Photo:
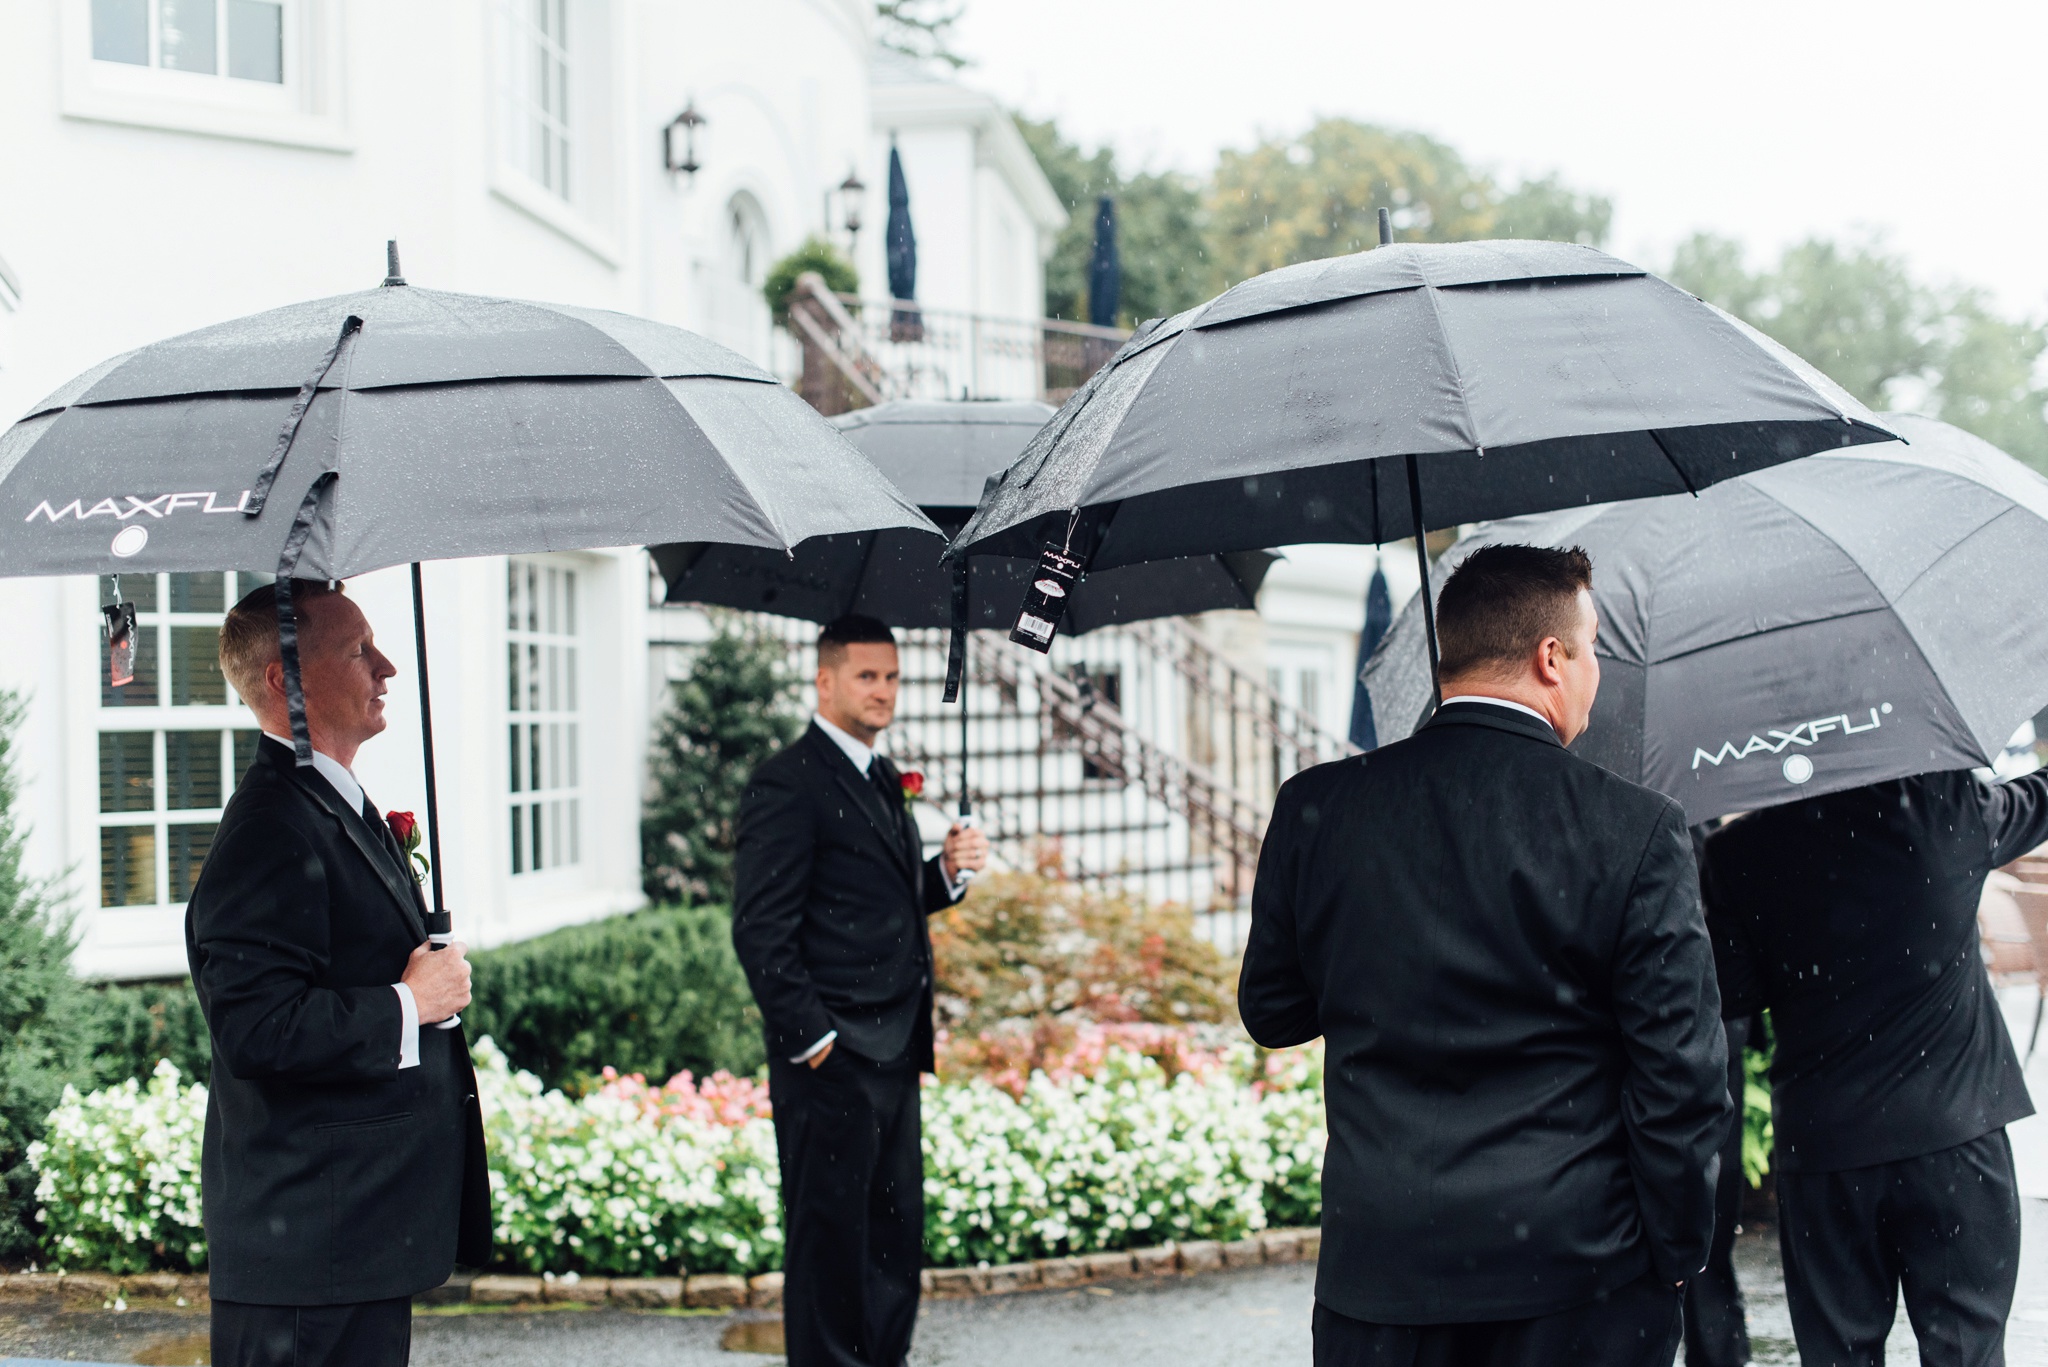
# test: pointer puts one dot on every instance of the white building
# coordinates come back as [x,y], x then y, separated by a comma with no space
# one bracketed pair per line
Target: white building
[174,163]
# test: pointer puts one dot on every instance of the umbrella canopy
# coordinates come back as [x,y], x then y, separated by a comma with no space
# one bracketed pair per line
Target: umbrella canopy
[1858,616]
[1515,376]
[442,425]
[941,455]
[1105,269]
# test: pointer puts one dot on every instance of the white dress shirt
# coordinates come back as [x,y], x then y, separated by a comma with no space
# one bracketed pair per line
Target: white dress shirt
[1501,702]
[863,756]
[343,782]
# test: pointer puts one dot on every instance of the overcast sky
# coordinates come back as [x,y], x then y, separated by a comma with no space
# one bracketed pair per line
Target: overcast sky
[1764,119]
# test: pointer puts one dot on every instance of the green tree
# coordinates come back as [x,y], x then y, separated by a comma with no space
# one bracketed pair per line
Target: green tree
[729,714]
[1990,381]
[919,28]
[1552,211]
[46,1015]
[1318,195]
[816,254]
[1160,231]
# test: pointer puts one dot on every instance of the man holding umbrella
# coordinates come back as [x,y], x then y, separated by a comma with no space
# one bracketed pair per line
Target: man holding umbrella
[343,1169]
[1852,917]
[829,903]
[1502,945]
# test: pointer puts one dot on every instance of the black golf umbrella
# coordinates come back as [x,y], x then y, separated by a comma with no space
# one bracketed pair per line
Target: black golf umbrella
[326,439]
[1858,616]
[940,455]
[1105,269]
[899,243]
[1412,387]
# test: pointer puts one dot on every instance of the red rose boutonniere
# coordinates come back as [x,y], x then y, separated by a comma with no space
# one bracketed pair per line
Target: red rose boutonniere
[407,832]
[913,786]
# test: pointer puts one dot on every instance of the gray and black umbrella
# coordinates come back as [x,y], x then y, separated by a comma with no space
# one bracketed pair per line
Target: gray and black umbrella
[326,439]
[1415,386]
[940,455]
[1858,616]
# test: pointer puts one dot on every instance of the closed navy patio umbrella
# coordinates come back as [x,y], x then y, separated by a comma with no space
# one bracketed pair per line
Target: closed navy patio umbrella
[899,242]
[1105,268]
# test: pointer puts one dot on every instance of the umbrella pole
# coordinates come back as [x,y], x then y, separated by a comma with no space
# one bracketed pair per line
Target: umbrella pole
[966,817]
[1436,683]
[438,920]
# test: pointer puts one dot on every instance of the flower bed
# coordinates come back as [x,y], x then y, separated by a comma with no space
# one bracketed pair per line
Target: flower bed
[634,1180]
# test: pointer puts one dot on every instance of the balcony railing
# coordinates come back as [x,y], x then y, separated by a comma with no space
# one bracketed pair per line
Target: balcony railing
[858,351]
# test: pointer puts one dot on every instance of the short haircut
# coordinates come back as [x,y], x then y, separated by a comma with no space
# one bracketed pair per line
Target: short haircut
[248,635]
[850,630]
[1501,603]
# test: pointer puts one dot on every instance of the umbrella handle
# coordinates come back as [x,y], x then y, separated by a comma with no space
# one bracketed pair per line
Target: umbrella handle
[966,817]
[438,923]
[1436,683]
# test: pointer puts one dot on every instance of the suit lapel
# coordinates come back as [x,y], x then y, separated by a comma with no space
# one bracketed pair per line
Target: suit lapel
[365,840]
[906,828]
[862,790]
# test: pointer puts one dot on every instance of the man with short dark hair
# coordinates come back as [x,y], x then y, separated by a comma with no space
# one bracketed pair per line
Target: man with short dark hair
[831,891]
[1852,918]
[343,1166]
[1502,946]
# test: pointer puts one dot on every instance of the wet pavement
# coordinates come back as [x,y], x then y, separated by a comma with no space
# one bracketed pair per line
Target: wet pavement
[1254,1318]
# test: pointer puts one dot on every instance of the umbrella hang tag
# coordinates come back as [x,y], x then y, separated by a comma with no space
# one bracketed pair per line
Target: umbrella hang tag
[119,625]
[1045,602]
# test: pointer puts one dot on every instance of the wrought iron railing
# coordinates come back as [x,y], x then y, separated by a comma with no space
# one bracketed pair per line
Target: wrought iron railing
[858,351]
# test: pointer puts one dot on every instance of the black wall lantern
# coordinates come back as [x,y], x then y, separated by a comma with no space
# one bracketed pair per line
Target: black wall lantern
[689,121]
[851,192]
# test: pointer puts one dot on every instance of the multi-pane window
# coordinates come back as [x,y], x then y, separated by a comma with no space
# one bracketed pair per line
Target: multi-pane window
[544,734]
[241,39]
[172,742]
[536,80]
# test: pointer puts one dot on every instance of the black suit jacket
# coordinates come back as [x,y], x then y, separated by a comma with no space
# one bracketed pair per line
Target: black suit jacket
[1853,917]
[329,1176]
[1525,1078]
[830,895]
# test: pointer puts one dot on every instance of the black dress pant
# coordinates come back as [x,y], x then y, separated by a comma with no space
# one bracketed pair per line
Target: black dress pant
[1634,1326]
[1716,1332]
[852,1166]
[1945,1226]
[370,1334]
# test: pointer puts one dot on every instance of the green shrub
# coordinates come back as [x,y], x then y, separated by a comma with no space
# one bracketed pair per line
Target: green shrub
[815,254]
[732,711]
[654,992]
[136,1024]
[45,1013]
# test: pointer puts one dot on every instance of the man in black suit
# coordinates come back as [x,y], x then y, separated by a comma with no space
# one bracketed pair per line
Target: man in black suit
[831,891]
[343,1167]
[1502,946]
[1853,917]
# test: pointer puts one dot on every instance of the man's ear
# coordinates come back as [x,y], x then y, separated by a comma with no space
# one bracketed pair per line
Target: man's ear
[1548,670]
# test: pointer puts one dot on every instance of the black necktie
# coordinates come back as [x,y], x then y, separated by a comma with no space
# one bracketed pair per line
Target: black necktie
[892,792]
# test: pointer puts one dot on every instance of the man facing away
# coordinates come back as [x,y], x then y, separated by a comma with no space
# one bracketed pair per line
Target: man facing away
[1502,946]
[1853,917]
[343,1166]
[831,891]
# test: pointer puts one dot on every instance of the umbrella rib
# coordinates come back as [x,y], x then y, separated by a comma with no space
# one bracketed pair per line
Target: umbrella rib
[1457,371]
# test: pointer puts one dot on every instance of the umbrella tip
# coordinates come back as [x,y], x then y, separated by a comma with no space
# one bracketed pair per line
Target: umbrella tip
[391,275]
[1386,228]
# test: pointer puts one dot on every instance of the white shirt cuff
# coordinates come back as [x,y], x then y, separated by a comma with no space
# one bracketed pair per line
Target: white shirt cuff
[409,1027]
[807,1055]
[956,886]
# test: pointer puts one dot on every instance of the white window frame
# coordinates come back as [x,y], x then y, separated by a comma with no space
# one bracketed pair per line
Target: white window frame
[156,721]
[548,638]
[589,215]
[306,110]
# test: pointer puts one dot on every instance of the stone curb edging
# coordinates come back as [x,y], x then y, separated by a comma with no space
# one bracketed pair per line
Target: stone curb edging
[705,1291]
